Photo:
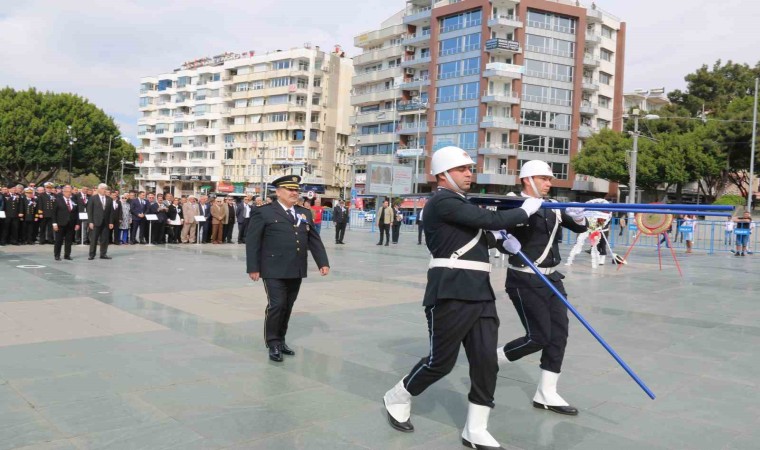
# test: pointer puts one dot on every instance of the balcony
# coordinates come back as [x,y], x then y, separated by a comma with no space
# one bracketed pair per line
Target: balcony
[593,39]
[590,61]
[590,184]
[504,71]
[406,107]
[413,128]
[378,55]
[501,150]
[594,15]
[500,123]
[589,85]
[502,47]
[376,36]
[588,108]
[505,3]
[505,23]
[416,61]
[379,138]
[374,97]
[586,131]
[508,98]
[376,75]
[417,16]
[416,38]
[504,177]
[416,83]
[372,117]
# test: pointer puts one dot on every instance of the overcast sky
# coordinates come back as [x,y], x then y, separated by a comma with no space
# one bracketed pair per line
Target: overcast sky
[99,49]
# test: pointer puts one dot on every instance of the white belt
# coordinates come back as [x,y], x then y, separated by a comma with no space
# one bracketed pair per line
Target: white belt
[543,270]
[453,263]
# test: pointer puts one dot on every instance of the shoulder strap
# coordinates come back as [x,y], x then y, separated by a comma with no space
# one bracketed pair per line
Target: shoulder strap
[551,238]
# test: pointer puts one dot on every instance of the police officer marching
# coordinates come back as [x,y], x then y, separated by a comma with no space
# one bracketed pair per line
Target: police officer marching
[277,239]
[543,315]
[459,301]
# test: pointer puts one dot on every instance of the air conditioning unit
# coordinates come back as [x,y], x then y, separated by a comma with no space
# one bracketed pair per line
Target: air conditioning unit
[409,48]
[409,71]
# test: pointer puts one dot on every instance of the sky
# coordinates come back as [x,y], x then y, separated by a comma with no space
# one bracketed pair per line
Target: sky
[99,49]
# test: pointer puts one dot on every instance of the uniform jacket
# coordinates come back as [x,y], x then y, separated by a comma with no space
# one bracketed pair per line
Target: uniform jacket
[96,213]
[29,209]
[46,204]
[340,215]
[451,221]
[277,246]
[61,214]
[533,237]
[12,207]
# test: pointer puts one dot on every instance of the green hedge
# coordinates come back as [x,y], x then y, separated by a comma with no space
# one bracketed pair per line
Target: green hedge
[731,199]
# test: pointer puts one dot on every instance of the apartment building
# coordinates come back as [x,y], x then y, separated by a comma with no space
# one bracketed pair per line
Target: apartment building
[234,122]
[507,80]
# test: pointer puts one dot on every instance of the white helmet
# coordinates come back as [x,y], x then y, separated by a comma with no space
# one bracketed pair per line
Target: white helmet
[536,168]
[448,158]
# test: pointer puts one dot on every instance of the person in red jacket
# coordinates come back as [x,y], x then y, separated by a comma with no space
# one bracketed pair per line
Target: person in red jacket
[317,214]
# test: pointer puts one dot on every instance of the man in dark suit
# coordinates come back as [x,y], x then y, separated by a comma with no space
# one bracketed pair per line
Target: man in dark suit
[82,198]
[278,239]
[12,218]
[3,193]
[155,227]
[113,237]
[29,221]
[204,209]
[46,208]
[99,210]
[65,223]
[384,221]
[243,213]
[232,208]
[138,207]
[340,218]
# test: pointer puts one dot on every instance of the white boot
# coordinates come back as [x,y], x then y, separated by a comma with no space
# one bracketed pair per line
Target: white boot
[601,259]
[547,397]
[501,357]
[475,433]
[398,404]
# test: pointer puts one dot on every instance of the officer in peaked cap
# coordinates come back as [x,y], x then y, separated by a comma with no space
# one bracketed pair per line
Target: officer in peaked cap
[46,211]
[278,238]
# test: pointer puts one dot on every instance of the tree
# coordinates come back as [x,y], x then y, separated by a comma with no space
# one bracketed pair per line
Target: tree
[34,143]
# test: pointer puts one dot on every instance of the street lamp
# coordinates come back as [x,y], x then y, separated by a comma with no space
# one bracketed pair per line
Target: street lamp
[635,152]
[419,149]
[108,159]
[72,139]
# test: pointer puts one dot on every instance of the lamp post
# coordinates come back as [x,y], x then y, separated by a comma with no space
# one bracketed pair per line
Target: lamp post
[72,139]
[634,154]
[752,153]
[108,159]
[419,149]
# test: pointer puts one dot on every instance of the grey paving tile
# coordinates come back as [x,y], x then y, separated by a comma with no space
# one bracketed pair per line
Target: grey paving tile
[167,434]
[25,427]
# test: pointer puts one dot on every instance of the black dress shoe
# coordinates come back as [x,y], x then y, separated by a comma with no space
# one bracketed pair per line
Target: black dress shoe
[275,353]
[405,427]
[69,258]
[386,244]
[90,258]
[379,243]
[286,350]
[105,257]
[341,243]
[57,258]
[566,410]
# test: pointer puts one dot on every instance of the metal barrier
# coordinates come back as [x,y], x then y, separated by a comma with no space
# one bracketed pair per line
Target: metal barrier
[708,236]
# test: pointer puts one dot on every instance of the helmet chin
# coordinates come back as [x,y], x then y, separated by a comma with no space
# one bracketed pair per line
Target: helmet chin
[453,184]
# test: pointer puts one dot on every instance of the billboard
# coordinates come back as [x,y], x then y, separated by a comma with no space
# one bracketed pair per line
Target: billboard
[386,179]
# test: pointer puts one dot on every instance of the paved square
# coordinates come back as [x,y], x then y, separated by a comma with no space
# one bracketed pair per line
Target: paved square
[162,348]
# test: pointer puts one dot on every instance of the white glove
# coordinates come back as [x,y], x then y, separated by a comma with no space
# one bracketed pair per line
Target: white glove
[510,244]
[531,205]
[576,214]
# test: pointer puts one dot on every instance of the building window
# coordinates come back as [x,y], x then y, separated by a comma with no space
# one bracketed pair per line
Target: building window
[279,65]
[602,124]
[606,55]
[560,170]
[605,78]
[604,102]
[549,21]
[462,20]
[608,32]
[551,46]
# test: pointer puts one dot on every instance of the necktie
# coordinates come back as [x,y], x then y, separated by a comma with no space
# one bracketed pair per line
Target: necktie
[292,214]
[68,203]
[103,201]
